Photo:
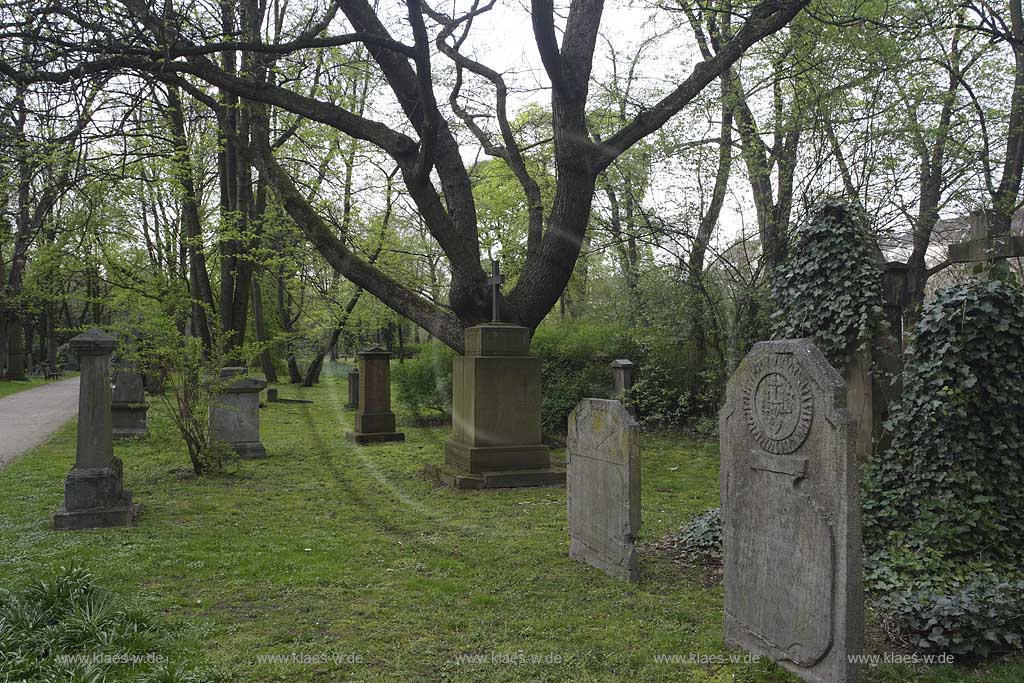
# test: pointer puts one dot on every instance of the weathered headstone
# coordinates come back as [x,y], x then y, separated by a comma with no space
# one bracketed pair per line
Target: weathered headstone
[496,394]
[235,413]
[791,525]
[603,487]
[375,421]
[622,374]
[94,493]
[353,389]
[155,378]
[272,396]
[128,405]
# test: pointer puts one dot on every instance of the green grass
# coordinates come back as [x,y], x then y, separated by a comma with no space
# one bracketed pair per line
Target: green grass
[329,549]
[10,387]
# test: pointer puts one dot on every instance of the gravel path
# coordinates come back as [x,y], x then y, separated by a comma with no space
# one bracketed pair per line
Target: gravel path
[28,417]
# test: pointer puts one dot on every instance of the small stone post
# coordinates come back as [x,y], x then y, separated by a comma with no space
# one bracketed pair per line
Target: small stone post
[128,405]
[94,494]
[374,420]
[622,372]
[235,413]
[353,389]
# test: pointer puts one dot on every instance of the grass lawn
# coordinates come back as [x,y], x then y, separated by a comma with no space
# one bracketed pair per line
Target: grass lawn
[326,549]
[8,388]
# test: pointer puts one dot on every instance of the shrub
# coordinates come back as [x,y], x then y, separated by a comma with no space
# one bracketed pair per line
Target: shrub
[424,382]
[944,505]
[576,355]
[702,535]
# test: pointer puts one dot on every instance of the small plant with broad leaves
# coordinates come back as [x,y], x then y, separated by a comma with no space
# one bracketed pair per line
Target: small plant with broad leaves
[702,535]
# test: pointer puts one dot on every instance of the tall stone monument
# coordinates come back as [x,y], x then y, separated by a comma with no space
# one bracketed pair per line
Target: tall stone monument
[791,525]
[353,389]
[375,422]
[496,427]
[94,493]
[603,487]
[235,413]
[128,405]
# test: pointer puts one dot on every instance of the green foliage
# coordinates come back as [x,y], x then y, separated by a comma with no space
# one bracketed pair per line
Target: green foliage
[944,505]
[702,535]
[424,382]
[576,355]
[68,629]
[829,289]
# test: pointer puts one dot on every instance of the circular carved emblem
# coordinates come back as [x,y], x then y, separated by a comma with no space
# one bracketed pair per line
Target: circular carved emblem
[778,403]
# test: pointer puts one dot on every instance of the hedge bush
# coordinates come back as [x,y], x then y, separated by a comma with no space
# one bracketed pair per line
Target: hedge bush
[423,383]
[944,504]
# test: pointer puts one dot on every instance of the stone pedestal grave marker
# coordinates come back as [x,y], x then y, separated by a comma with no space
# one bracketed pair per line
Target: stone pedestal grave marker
[128,405]
[791,526]
[375,422]
[235,413]
[353,389]
[603,487]
[94,493]
[496,427]
[622,374]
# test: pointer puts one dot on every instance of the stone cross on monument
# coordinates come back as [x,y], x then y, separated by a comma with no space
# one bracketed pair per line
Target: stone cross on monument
[984,245]
[494,282]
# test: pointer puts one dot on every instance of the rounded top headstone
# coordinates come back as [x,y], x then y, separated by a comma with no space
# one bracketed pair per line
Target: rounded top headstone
[94,342]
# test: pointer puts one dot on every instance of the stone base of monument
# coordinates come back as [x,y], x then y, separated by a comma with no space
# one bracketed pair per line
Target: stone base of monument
[362,439]
[95,497]
[374,428]
[249,450]
[129,420]
[458,478]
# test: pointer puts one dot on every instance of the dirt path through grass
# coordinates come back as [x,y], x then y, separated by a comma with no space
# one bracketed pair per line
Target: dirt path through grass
[28,417]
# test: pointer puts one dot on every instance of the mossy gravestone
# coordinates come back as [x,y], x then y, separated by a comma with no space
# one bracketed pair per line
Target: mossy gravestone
[128,405]
[603,487]
[94,493]
[791,513]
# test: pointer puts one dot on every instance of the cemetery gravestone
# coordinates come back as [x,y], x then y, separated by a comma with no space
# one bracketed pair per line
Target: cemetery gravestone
[353,389]
[622,374]
[791,526]
[128,405]
[496,395]
[374,421]
[235,413]
[603,487]
[94,493]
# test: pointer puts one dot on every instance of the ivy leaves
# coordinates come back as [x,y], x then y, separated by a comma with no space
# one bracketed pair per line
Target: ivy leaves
[944,505]
[829,289]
